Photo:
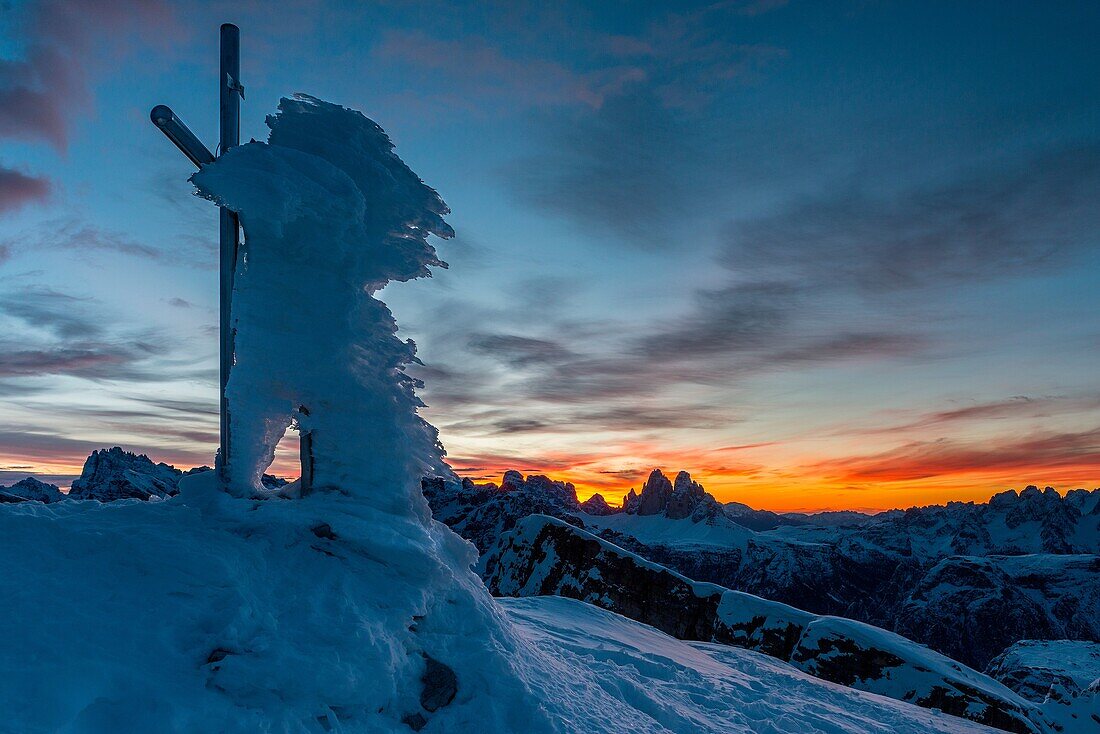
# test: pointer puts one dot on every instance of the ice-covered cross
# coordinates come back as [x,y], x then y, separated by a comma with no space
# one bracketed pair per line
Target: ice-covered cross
[230,94]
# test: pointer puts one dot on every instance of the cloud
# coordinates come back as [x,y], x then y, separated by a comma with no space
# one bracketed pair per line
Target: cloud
[481,73]
[52,333]
[19,189]
[44,309]
[78,236]
[1033,214]
[1020,406]
[45,92]
[1036,453]
[627,169]
[519,351]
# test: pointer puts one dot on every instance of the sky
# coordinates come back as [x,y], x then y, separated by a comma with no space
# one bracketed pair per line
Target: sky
[838,254]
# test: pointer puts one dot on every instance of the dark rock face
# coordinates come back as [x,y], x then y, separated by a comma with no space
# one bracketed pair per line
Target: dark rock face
[654,497]
[544,556]
[30,490]
[977,607]
[597,506]
[440,685]
[481,513]
[970,609]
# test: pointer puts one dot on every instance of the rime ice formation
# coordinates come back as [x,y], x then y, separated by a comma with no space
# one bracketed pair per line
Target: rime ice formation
[330,215]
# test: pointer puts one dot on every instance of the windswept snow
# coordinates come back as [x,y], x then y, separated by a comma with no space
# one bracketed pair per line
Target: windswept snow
[623,676]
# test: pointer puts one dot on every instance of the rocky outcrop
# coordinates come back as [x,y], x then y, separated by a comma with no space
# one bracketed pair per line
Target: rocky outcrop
[1062,676]
[1033,667]
[654,497]
[544,556]
[597,506]
[31,490]
[973,608]
[114,474]
[481,513]
[677,501]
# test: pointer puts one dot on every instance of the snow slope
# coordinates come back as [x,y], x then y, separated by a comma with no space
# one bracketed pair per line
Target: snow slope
[545,556]
[642,680]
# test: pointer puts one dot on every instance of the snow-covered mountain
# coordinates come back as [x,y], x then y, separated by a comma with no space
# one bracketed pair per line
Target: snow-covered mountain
[1063,676]
[620,675]
[31,490]
[1032,667]
[115,474]
[898,570]
[546,556]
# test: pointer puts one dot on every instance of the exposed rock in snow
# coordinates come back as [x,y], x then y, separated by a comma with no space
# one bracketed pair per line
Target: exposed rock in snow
[544,556]
[1061,675]
[974,608]
[627,677]
[114,474]
[31,490]
[1031,667]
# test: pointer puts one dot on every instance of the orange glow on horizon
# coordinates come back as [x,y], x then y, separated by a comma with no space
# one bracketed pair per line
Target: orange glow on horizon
[740,473]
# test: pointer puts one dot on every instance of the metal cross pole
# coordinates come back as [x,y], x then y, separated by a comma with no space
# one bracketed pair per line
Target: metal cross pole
[229,87]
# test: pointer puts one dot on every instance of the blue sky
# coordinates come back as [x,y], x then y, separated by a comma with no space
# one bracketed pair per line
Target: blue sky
[822,254]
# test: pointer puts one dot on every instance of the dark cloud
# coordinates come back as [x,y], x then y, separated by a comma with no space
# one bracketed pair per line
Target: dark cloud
[18,189]
[1020,406]
[519,351]
[627,169]
[45,92]
[44,309]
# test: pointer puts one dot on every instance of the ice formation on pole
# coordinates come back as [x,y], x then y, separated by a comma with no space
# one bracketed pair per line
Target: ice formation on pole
[330,216]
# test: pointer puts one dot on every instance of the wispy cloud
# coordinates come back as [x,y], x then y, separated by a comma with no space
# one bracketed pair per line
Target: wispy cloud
[51,333]
[84,239]
[1034,453]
